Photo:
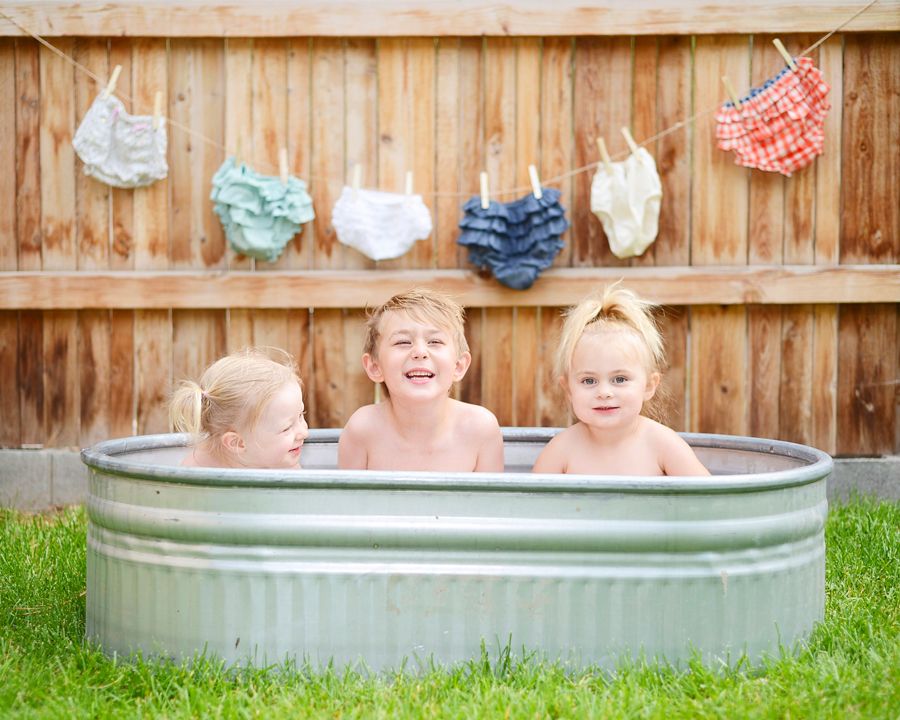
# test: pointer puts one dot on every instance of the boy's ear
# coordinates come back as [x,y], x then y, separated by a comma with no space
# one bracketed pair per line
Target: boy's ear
[373,370]
[233,442]
[462,366]
[652,384]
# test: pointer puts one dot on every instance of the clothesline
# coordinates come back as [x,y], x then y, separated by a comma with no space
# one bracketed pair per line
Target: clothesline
[518,190]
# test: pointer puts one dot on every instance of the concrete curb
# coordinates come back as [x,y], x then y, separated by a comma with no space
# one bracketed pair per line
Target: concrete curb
[36,480]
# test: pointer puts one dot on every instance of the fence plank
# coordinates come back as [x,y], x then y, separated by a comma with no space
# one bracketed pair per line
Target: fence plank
[238,118]
[674,327]
[673,244]
[824,378]
[471,387]
[526,366]
[496,361]
[121,380]
[10,410]
[448,115]
[866,379]
[31,376]
[329,370]
[797,387]
[121,254]
[557,138]
[153,369]
[718,390]
[198,340]
[196,89]
[298,253]
[644,99]
[472,117]
[603,72]
[463,17]
[552,408]
[500,116]
[871,166]
[299,345]
[9,255]
[269,113]
[28,156]
[361,108]
[61,386]
[828,165]
[764,325]
[92,197]
[239,329]
[767,189]
[57,159]
[327,150]
[719,188]
[358,389]
[94,375]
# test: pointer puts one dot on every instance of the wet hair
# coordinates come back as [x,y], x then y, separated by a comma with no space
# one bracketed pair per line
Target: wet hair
[612,309]
[424,306]
[233,391]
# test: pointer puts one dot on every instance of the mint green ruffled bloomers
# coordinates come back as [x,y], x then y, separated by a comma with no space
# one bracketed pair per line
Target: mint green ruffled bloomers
[260,214]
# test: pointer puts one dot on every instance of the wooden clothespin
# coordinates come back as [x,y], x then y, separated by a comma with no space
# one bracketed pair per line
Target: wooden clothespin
[729,88]
[535,182]
[485,197]
[357,176]
[157,108]
[409,182]
[114,78]
[604,155]
[779,46]
[632,145]
[283,165]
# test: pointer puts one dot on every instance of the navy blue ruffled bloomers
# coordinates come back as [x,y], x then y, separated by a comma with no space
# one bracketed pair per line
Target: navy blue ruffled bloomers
[516,241]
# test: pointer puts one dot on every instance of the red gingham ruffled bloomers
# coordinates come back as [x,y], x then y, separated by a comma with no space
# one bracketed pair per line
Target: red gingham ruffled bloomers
[779,126]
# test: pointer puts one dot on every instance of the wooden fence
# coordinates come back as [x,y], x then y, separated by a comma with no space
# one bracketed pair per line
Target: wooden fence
[781,293]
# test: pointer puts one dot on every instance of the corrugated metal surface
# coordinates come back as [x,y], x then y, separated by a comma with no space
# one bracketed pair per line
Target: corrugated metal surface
[378,567]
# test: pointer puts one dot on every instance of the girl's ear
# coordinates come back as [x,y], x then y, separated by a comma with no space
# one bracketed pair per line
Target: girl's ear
[462,366]
[652,384]
[373,370]
[233,442]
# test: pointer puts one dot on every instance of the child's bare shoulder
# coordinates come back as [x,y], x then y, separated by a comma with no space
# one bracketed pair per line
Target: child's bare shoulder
[474,417]
[364,420]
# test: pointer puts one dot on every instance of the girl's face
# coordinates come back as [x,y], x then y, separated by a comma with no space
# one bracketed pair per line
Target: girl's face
[277,438]
[608,381]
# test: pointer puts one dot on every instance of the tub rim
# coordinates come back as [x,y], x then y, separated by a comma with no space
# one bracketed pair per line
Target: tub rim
[103,457]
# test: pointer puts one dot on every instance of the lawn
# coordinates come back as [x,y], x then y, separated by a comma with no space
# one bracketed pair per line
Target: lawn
[850,669]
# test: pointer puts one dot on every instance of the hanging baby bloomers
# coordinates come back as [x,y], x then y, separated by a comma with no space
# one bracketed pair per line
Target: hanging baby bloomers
[122,150]
[779,126]
[381,225]
[260,214]
[516,240]
[626,197]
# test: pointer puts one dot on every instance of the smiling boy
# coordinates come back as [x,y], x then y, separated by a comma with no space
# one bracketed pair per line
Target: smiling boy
[416,347]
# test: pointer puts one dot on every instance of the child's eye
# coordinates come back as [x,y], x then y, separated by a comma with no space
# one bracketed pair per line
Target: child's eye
[588,381]
[402,342]
[620,379]
[435,342]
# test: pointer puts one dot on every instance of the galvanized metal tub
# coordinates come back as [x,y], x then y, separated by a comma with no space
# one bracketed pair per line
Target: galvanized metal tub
[380,568]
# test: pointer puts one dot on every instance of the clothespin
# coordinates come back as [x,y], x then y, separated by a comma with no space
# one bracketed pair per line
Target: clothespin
[604,156]
[729,88]
[357,176]
[485,198]
[114,78]
[779,46]
[632,145]
[409,182]
[535,182]
[157,108]
[283,165]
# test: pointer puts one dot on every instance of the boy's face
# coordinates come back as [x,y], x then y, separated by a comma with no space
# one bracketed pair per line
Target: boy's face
[415,359]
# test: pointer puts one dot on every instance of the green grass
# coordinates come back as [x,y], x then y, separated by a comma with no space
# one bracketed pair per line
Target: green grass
[850,669]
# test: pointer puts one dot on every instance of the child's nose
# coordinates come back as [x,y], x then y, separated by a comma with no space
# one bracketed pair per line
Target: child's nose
[420,349]
[303,429]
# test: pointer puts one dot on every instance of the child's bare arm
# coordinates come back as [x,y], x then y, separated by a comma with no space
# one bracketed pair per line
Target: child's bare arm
[490,454]
[352,445]
[676,457]
[553,457]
